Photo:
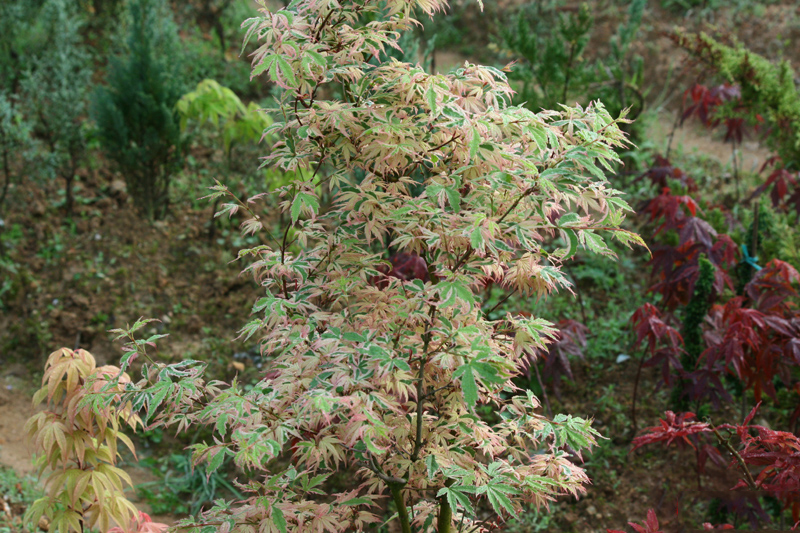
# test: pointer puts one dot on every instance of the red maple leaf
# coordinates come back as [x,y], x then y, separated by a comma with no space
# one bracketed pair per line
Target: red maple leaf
[648,526]
[682,428]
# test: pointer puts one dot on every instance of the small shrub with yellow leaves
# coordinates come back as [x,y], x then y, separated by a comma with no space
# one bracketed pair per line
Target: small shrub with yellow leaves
[77,447]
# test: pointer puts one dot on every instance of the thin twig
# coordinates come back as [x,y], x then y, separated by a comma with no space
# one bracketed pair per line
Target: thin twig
[742,465]
[501,302]
[544,392]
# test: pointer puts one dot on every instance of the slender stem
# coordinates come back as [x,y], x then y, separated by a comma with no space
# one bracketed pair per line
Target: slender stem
[754,236]
[318,32]
[635,392]
[283,245]
[250,212]
[501,302]
[735,169]
[461,522]
[573,46]
[671,135]
[426,341]
[463,259]
[544,392]
[416,163]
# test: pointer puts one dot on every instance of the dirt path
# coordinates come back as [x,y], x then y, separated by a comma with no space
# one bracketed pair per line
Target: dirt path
[15,409]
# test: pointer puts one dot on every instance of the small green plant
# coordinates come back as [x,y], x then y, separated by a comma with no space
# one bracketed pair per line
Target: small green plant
[77,448]
[15,141]
[211,103]
[136,118]
[55,91]
[214,107]
[552,46]
[554,70]
[183,488]
[16,493]
[18,19]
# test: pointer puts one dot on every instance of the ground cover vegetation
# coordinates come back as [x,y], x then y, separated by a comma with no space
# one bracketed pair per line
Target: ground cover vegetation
[446,318]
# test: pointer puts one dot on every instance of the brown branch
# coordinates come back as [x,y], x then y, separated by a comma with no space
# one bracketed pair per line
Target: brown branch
[426,341]
[501,302]
[742,465]
[318,31]
[431,393]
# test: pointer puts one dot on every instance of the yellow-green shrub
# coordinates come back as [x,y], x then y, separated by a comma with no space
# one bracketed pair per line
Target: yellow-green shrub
[77,447]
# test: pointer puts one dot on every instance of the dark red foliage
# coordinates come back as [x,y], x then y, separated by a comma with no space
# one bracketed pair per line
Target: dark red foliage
[663,341]
[408,267]
[662,171]
[777,454]
[725,254]
[771,457]
[648,526]
[648,325]
[695,229]
[676,268]
[704,383]
[745,505]
[684,429]
[772,286]
[705,103]
[405,267]
[755,337]
[756,343]
[785,185]
[669,208]
[570,341]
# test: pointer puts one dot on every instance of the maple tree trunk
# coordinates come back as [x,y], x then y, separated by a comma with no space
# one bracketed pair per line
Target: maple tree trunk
[736,171]
[70,198]
[402,512]
[212,230]
[445,518]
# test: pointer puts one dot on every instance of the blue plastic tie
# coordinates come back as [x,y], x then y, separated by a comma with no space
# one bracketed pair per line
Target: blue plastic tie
[747,258]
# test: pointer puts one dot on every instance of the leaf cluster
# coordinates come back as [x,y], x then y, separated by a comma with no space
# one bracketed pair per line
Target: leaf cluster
[212,103]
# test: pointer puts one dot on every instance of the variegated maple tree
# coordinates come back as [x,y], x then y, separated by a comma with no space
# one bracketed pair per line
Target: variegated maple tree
[375,371]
